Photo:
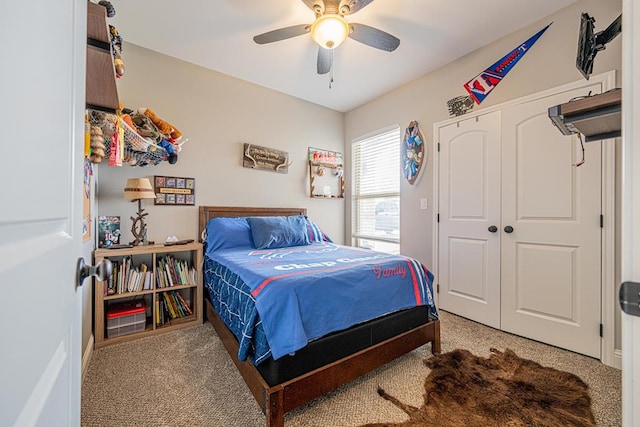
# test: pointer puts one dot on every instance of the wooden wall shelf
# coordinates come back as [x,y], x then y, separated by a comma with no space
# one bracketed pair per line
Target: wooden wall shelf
[330,170]
[102,93]
[596,117]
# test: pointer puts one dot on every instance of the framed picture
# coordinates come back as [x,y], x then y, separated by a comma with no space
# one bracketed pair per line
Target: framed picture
[108,231]
[174,191]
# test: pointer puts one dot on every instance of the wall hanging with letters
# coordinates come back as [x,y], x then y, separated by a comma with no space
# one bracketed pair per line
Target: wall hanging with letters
[172,190]
[257,157]
[481,85]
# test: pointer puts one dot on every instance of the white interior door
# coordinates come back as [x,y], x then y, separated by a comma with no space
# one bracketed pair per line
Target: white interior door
[551,267]
[469,204]
[42,85]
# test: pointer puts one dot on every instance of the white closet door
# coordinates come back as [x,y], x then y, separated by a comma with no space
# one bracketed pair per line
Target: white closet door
[551,278]
[469,254]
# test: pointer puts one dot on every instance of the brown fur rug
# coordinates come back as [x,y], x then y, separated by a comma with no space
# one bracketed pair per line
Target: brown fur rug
[501,390]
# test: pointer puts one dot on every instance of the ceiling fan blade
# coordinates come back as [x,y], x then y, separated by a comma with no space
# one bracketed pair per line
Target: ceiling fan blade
[325,60]
[316,5]
[374,37]
[282,34]
[349,7]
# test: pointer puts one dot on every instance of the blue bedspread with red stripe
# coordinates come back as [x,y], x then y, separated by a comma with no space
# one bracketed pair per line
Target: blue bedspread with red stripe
[305,292]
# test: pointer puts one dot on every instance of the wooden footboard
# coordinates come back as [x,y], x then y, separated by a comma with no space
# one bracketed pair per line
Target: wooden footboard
[277,400]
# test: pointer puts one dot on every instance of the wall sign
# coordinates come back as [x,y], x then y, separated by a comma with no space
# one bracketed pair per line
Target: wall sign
[257,157]
[172,190]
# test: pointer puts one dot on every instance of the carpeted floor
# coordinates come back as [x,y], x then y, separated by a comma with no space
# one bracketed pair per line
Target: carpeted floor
[185,378]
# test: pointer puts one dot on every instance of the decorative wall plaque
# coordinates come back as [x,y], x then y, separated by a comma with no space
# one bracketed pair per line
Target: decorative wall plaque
[257,157]
[172,190]
[412,152]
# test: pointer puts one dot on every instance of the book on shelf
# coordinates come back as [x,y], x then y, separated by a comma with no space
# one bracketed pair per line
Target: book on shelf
[164,313]
[174,272]
[169,275]
[172,312]
[176,306]
[184,304]
[148,280]
[128,277]
[158,315]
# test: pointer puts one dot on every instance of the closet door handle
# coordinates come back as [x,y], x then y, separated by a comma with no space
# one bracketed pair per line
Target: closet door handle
[508,229]
[493,229]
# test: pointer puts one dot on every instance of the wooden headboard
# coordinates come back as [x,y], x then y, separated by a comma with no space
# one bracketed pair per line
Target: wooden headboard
[208,212]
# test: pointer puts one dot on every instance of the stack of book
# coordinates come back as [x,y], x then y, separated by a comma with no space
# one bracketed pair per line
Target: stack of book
[127,277]
[169,306]
[174,272]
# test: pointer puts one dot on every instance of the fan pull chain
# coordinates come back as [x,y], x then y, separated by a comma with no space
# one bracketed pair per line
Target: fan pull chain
[331,70]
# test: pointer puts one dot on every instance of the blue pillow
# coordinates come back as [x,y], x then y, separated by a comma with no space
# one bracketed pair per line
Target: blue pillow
[315,233]
[226,233]
[270,232]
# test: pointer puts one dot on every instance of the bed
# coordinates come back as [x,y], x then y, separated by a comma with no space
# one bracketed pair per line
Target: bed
[281,382]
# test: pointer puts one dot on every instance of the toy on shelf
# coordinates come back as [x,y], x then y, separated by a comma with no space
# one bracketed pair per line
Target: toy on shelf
[133,138]
[164,127]
[97,145]
[116,48]
[116,39]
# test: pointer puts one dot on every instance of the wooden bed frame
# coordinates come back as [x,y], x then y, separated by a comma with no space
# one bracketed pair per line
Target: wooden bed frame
[276,400]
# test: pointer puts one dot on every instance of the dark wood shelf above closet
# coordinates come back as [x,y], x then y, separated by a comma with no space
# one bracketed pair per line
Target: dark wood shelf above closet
[101,89]
[596,117]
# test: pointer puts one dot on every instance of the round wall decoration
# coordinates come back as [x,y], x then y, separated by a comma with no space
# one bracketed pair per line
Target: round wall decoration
[412,152]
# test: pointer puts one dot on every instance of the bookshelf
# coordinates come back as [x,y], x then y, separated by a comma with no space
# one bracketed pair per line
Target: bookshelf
[165,280]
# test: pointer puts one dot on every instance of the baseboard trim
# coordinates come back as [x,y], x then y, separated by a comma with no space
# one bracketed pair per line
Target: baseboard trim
[616,362]
[86,355]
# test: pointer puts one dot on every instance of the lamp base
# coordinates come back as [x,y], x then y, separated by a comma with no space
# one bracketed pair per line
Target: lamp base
[139,228]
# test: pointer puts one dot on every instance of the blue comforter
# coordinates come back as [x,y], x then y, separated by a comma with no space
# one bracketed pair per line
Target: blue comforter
[301,293]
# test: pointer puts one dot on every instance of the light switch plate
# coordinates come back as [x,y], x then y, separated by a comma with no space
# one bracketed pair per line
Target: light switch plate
[423,203]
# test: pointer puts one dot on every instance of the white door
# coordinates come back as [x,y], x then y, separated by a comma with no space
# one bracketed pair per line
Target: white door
[469,204]
[630,204]
[42,86]
[551,278]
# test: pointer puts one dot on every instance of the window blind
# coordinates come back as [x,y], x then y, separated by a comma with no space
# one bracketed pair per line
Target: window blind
[376,190]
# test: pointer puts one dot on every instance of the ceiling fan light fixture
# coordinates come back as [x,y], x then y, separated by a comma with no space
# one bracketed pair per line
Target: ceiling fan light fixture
[329,31]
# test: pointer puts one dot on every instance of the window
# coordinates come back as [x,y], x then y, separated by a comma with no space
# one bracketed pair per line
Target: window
[376,191]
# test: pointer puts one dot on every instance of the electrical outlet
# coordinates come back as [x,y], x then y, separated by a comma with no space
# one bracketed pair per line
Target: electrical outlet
[423,203]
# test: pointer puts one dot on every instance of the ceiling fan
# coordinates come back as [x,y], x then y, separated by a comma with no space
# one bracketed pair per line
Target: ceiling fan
[330,29]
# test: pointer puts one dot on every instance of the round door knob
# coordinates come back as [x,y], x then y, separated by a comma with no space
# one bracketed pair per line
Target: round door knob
[493,229]
[101,270]
[508,229]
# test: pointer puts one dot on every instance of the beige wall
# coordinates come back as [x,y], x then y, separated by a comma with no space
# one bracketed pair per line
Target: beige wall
[550,63]
[218,113]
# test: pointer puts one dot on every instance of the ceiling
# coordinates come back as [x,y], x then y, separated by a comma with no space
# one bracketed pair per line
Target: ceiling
[218,34]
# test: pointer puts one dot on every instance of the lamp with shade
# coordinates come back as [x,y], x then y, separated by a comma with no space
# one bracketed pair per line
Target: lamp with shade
[136,190]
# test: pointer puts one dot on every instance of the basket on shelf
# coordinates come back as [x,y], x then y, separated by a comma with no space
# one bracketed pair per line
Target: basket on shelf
[138,151]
